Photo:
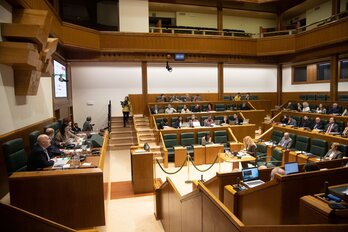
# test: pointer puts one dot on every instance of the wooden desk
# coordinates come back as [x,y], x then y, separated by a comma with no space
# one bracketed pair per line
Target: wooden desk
[301,158]
[199,154]
[316,210]
[180,154]
[142,171]
[211,151]
[235,160]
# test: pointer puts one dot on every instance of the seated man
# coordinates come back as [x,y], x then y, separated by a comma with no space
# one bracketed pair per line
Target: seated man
[331,127]
[333,153]
[170,109]
[334,109]
[236,119]
[197,108]
[306,123]
[39,157]
[292,121]
[154,109]
[206,139]
[318,125]
[87,125]
[289,106]
[53,149]
[193,121]
[277,170]
[286,141]
[75,128]
[163,123]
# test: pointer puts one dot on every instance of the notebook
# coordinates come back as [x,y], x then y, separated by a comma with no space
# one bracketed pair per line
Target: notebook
[61,162]
[246,121]
[291,168]
[196,124]
[251,177]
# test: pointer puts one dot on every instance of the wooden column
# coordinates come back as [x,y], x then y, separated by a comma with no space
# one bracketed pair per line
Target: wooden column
[221,81]
[144,85]
[335,7]
[334,78]
[279,83]
[220,25]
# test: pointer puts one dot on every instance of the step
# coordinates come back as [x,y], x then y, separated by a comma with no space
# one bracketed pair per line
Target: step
[142,124]
[122,140]
[122,130]
[146,140]
[141,129]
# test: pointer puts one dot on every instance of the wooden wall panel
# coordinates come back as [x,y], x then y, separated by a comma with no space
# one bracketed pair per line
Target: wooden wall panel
[191,209]
[78,36]
[276,45]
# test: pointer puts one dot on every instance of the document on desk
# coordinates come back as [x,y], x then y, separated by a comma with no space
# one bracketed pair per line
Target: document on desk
[61,162]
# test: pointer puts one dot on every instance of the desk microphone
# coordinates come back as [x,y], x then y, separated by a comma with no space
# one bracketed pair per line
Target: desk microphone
[326,188]
[238,182]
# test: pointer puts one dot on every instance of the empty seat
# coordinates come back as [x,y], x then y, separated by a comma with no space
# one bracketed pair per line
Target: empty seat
[321,97]
[221,137]
[170,141]
[32,138]
[158,121]
[344,149]
[173,120]
[276,158]
[261,153]
[303,97]
[311,97]
[227,98]
[14,155]
[219,117]
[341,126]
[187,140]
[277,136]
[180,108]
[318,147]
[220,107]
[301,143]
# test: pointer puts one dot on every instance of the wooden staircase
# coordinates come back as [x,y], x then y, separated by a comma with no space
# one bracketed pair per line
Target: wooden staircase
[121,137]
[146,135]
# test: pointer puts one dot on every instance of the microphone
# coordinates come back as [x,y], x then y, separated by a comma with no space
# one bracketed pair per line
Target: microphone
[326,188]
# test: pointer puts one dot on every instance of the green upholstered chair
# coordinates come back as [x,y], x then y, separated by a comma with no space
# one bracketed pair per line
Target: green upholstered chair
[342,97]
[301,143]
[344,149]
[174,119]
[318,147]
[341,126]
[220,107]
[32,138]
[227,98]
[276,158]
[204,107]
[170,141]
[293,137]
[311,97]
[158,121]
[187,140]
[276,136]
[54,125]
[321,97]
[14,155]
[180,108]
[261,153]
[183,98]
[219,117]
[203,117]
[298,119]
[303,97]
[221,137]
[200,134]
[254,97]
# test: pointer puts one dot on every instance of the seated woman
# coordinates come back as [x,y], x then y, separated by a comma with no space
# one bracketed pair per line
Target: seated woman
[209,121]
[178,123]
[306,107]
[225,120]
[299,107]
[209,108]
[197,108]
[345,112]
[345,131]
[321,109]
[193,121]
[170,109]
[206,140]
[236,119]
[163,124]
[185,110]
[249,146]
[333,153]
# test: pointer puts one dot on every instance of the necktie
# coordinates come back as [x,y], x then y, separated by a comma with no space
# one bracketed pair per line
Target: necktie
[329,129]
[48,157]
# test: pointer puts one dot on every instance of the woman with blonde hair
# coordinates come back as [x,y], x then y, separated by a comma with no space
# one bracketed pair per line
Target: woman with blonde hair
[249,145]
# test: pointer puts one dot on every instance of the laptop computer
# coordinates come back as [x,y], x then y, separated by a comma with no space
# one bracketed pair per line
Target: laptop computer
[291,168]
[251,177]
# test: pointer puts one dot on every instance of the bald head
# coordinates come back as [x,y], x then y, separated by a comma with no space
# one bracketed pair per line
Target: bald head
[277,170]
[43,140]
[50,132]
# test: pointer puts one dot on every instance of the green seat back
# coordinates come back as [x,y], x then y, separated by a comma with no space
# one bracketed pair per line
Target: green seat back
[340,126]
[318,147]
[227,98]
[187,139]
[277,136]
[204,107]
[293,137]
[32,138]
[303,97]
[174,119]
[344,149]
[321,97]
[311,97]
[220,136]
[220,107]
[180,108]
[14,155]
[301,143]
[277,156]
[219,117]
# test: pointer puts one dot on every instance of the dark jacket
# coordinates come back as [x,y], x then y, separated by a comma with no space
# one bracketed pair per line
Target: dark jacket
[38,159]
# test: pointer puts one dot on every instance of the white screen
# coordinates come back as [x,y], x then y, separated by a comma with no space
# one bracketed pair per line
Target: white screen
[60,87]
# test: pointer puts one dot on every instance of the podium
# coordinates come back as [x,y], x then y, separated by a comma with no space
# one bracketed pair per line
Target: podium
[211,151]
[142,171]
[180,154]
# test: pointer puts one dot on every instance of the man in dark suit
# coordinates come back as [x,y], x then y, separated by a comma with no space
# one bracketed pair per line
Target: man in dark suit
[334,109]
[331,127]
[306,123]
[53,150]
[333,153]
[318,125]
[39,157]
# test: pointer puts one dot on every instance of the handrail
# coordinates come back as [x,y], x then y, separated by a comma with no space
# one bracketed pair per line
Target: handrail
[104,150]
[109,116]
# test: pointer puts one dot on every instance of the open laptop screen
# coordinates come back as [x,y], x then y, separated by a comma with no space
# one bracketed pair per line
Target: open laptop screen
[291,168]
[250,174]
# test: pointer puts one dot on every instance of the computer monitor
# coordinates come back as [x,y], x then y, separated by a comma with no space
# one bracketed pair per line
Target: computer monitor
[250,174]
[291,168]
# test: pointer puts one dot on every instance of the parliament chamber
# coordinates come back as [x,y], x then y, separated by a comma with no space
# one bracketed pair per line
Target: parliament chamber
[149,115]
